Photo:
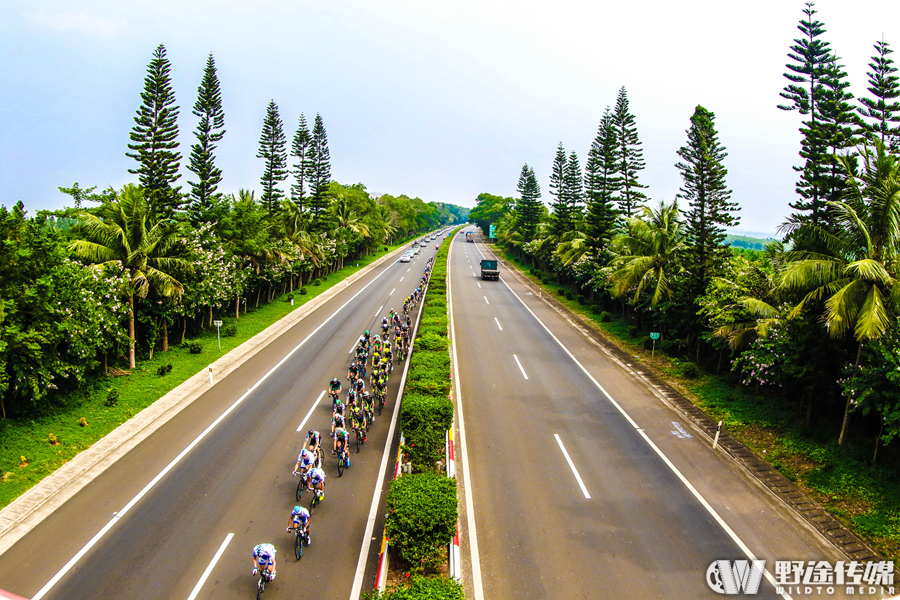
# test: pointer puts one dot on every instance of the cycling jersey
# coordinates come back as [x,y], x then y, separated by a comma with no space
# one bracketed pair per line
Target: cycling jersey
[314,439]
[301,516]
[316,476]
[341,435]
[264,554]
[338,420]
[338,408]
[335,386]
[306,458]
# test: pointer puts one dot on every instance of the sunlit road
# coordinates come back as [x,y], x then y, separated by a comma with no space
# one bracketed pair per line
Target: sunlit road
[236,480]
[571,500]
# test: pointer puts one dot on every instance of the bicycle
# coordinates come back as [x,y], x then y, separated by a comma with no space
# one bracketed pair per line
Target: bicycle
[301,485]
[317,497]
[343,459]
[360,437]
[264,578]
[334,397]
[301,535]
[380,398]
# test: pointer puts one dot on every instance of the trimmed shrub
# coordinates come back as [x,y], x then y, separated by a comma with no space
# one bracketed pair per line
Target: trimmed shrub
[569,295]
[689,371]
[429,372]
[432,340]
[434,587]
[596,309]
[112,397]
[195,348]
[422,510]
[561,291]
[423,410]
[303,291]
[164,370]
[605,317]
[230,330]
[317,282]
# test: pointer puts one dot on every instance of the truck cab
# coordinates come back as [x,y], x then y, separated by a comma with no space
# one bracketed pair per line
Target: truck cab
[489,270]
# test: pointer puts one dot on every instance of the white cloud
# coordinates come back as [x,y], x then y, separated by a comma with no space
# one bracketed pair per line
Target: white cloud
[77,22]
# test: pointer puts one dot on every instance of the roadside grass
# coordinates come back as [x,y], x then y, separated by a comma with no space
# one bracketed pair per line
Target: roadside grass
[28,453]
[862,495]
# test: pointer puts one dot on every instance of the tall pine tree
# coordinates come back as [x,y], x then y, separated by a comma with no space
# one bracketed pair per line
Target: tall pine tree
[882,108]
[319,173]
[299,148]
[812,58]
[528,206]
[600,185]
[839,127]
[574,191]
[154,137]
[210,130]
[710,208]
[273,150]
[629,158]
[562,213]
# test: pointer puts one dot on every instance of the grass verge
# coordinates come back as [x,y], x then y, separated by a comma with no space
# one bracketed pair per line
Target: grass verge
[32,448]
[862,495]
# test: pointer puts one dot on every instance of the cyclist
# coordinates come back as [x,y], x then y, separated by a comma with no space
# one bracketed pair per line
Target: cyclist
[337,421]
[335,387]
[389,355]
[391,316]
[384,325]
[358,421]
[360,385]
[341,440]
[264,558]
[300,517]
[380,386]
[351,398]
[313,440]
[352,372]
[376,344]
[366,337]
[305,462]
[367,405]
[317,481]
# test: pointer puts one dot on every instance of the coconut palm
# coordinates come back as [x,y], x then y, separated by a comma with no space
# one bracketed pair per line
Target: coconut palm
[124,235]
[855,278]
[648,253]
[573,245]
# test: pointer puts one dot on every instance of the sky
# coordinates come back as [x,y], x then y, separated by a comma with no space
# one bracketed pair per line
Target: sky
[437,100]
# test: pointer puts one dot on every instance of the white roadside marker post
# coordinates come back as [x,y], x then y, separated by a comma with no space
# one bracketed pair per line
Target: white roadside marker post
[718,431]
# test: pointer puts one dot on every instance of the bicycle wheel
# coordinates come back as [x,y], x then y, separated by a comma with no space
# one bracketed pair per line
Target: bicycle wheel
[260,587]
[313,502]
[321,455]
[341,463]
[298,544]
[358,441]
[300,488]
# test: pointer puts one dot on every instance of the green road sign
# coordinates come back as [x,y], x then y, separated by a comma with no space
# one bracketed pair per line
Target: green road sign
[654,335]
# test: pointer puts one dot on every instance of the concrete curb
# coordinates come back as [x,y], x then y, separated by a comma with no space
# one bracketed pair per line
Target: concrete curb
[833,530]
[21,515]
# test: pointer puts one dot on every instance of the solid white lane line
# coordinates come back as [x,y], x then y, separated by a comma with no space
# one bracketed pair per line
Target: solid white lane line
[518,363]
[378,312]
[486,300]
[498,325]
[315,404]
[464,451]
[74,560]
[572,466]
[659,452]
[356,589]
[209,569]
[392,291]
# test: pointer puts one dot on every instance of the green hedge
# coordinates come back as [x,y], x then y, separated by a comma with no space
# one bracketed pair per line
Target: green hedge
[419,587]
[432,340]
[421,519]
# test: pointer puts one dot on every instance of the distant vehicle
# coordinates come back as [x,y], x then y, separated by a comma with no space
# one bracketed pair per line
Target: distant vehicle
[489,270]
[416,251]
[470,236]
[404,258]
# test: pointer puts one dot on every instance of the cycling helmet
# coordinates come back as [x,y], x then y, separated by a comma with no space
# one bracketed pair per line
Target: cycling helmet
[297,510]
[335,380]
[367,332]
[362,338]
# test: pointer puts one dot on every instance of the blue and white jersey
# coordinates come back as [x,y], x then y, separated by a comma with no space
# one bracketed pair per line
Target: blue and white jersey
[316,476]
[300,515]
[264,554]
[306,458]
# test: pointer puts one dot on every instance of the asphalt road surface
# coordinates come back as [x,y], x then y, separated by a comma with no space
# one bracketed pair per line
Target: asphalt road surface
[236,480]
[571,497]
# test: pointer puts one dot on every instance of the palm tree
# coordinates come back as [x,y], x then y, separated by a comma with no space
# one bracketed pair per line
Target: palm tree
[124,235]
[855,277]
[296,228]
[574,244]
[648,253]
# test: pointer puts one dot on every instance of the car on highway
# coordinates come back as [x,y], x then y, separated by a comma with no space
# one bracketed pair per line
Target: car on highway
[405,258]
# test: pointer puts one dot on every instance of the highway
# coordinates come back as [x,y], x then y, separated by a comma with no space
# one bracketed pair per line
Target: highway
[235,480]
[577,494]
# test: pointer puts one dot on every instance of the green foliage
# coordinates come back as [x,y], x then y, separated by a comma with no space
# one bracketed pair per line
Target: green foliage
[429,372]
[434,587]
[303,291]
[432,341]
[273,150]
[317,282]
[421,518]
[112,398]
[210,130]
[229,330]
[605,317]
[195,347]
[164,370]
[288,297]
